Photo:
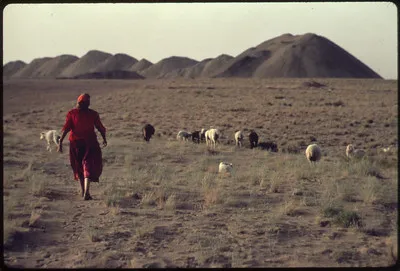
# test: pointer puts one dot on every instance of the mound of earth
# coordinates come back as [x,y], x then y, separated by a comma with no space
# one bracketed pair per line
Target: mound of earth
[90,61]
[215,64]
[189,72]
[116,62]
[167,65]
[116,74]
[290,56]
[12,67]
[307,55]
[141,65]
[205,68]
[54,66]
[29,70]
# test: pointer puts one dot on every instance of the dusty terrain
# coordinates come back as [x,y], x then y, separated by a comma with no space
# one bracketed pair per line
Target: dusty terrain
[163,204]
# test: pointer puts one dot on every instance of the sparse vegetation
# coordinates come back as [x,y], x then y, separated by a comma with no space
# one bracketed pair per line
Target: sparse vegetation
[167,198]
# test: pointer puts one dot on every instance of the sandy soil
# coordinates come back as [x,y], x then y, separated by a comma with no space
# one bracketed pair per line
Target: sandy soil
[163,204]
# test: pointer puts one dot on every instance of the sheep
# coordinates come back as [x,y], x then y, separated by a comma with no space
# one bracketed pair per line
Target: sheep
[51,135]
[269,145]
[313,153]
[225,167]
[148,130]
[239,138]
[183,135]
[212,136]
[253,138]
[203,134]
[352,152]
[196,136]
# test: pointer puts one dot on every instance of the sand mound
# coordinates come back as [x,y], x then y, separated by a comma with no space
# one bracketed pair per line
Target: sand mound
[189,72]
[288,55]
[29,70]
[141,65]
[307,55]
[53,67]
[12,67]
[215,64]
[116,74]
[85,64]
[121,62]
[205,68]
[167,65]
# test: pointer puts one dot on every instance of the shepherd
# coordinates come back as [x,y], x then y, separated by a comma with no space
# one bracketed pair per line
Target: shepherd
[84,150]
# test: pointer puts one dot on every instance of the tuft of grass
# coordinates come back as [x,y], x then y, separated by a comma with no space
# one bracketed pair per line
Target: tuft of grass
[113,196]
[370,190]
[290,207]
[274,182]
[34,218]
[348,219]
[160,198]
[148,199]
[343,217]
[170,204]
[332,211]
[93,234]
[364,167]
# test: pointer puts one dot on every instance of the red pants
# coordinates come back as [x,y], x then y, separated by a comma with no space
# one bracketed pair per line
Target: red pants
[86,160]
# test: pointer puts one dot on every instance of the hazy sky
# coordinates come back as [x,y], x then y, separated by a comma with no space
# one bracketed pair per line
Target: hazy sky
[197,30]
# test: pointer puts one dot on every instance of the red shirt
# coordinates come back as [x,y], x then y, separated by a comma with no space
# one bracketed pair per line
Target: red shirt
[82,123]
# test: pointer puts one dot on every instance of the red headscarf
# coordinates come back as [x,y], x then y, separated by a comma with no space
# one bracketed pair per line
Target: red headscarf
[83,98]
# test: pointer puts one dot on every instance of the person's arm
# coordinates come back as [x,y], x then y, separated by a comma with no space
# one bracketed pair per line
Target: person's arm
[65,130]
[99,126]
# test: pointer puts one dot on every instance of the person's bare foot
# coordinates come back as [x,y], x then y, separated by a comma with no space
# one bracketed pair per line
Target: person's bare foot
[88,197]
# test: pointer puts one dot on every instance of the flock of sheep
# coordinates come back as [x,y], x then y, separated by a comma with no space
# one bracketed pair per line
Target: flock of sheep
[212,136]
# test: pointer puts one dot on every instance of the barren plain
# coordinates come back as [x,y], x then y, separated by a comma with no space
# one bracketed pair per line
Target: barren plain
[163,204]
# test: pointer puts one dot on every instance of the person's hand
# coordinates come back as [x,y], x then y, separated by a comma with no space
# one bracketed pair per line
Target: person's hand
[59,148]
[104,143]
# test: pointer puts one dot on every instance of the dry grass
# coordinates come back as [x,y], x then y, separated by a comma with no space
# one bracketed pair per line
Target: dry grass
[164,203]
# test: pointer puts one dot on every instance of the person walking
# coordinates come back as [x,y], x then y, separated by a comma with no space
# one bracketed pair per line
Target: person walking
[84,150]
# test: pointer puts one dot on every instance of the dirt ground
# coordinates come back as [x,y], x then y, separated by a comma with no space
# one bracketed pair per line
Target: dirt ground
[164,204]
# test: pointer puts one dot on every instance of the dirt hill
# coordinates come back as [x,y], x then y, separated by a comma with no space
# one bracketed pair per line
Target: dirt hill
[167,65]
[215,64]
[307,55]
[12,67]
[286,56]
[121,62]
[116,74]
[189,72]
[54,66]
[141,65]
[30,69]
[85,64]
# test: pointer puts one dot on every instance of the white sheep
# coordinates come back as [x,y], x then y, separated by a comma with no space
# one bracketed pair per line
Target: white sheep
[313,153]
[212,136]
[225,167]
[51,135]
[352,152]
[183,135]
[239,138]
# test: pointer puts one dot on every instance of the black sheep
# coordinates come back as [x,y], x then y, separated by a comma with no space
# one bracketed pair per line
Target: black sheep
[148,130]
[196,136]
[269,146]
[253,138]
